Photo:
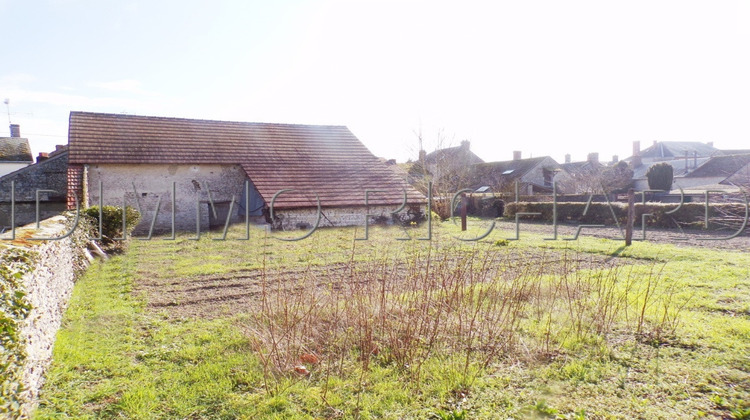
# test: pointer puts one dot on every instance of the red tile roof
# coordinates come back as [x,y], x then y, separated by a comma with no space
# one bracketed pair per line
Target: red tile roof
[328,160]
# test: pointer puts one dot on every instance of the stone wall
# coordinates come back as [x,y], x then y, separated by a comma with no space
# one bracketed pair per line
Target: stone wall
[50,174]
[298,219]
[153,182]
[48,285]
[25,213]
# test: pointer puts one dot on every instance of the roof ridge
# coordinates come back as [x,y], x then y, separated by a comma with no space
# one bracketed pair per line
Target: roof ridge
[201,120]
[512,160]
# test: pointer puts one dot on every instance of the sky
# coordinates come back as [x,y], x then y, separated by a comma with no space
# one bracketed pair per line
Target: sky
[545,77]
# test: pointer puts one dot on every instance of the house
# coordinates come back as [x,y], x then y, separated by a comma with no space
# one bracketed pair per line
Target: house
[662,151]
[584,176]
[727,173]
[47,179]
[203,171]
[696,167]
[680,169]
[534,175]
[447,168]
[451,159]
[684,157]
[15,152]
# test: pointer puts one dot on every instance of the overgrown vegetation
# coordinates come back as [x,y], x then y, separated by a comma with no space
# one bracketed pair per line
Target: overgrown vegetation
[14,309]
[112,224]
[616,178]
[330,327]
[467,309]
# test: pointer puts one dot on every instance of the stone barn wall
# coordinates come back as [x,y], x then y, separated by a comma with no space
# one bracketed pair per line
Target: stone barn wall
[155,181]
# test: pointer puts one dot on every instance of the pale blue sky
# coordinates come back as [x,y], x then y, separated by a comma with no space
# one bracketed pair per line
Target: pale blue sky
[544,77]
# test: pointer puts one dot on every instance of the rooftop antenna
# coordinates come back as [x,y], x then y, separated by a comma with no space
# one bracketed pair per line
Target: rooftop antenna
[7,106]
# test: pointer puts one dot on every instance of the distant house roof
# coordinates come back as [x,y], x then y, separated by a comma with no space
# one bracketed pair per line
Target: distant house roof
[59,149]
[677,149]
[398,169]
[735,151]
[15,149]
[516,168]
[459,154]
[583,168]
[721,166]
[484,174]
[678,166]
[327,160]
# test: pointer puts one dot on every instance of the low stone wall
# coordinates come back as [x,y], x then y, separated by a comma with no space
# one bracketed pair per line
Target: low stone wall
[344,216]
[48,284]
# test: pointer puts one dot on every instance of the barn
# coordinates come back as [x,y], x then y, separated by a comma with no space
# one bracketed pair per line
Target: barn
[192,173]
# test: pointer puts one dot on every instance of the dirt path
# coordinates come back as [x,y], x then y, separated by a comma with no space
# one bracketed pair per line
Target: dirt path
[693,238]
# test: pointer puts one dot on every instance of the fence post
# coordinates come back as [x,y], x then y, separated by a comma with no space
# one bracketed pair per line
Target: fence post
[631,217]
[464,204]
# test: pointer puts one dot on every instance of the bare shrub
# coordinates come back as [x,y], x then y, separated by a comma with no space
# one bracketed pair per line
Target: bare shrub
[467,309]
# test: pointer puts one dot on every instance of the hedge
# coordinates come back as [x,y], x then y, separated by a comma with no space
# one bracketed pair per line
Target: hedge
[689,215]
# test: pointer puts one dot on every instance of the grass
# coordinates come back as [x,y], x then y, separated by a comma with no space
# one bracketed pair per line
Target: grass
[582,329]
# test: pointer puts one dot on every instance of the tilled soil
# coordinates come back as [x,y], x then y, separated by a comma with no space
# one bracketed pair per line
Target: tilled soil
[241,290]
[216,295]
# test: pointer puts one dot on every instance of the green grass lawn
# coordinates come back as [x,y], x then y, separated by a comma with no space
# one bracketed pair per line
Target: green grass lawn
[487,329]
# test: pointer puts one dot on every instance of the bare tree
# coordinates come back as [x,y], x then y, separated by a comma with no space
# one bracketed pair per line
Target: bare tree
[601,179]
[448,168]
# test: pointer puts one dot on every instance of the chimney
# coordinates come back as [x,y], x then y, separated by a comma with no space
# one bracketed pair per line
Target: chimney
[516,155]
[42,157]
[15,130]
[59,147]
[465,144]
[593,157]
[710,144]
[636,161]
[687,159]
[655,142]
[567,158]
[615,158]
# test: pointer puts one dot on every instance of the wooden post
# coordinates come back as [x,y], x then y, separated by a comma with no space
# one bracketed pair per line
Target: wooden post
[631,218]
[464,204]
